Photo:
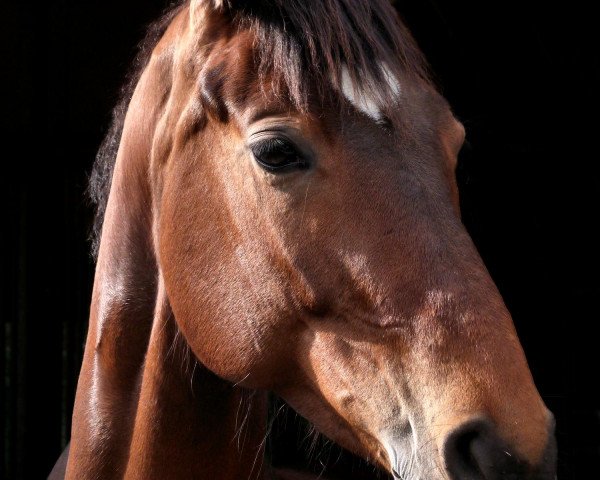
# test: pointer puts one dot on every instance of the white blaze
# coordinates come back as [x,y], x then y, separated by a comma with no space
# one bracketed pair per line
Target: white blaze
[368,104]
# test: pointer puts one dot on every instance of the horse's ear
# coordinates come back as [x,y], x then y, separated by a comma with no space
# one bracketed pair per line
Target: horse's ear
[224,4]
[234,6]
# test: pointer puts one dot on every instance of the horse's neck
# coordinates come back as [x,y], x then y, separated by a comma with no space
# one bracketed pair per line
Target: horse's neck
[144,407]
[179,420]
[190,423]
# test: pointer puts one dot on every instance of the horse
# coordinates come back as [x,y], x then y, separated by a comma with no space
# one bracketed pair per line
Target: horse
[278,212]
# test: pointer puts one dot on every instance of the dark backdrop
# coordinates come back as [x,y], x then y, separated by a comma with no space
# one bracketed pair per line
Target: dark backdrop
[522,75]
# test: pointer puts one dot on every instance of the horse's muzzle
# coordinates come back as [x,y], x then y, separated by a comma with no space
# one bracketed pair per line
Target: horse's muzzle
[473,451]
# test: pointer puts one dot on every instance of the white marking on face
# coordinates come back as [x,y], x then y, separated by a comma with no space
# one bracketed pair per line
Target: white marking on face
[391,80]
[361,100]
[358,98]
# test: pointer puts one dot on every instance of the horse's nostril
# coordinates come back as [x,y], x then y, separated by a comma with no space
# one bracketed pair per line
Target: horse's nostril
[473,451]
[461,451]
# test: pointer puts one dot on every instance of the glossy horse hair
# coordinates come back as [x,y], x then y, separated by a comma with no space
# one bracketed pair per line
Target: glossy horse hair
[302,47]
[306,43]
[102,170]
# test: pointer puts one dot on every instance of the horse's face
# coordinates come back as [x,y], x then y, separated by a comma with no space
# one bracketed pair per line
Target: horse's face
[320,254]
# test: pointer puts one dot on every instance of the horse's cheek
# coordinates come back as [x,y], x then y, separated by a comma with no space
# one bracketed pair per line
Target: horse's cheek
[222,322]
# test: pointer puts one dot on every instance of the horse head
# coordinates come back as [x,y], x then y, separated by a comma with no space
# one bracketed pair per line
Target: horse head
[285,191]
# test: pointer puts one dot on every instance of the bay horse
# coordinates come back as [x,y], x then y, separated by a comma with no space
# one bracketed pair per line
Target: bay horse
[278,212]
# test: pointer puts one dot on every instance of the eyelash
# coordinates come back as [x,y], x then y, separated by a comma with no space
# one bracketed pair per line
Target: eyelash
[277,146]
[268,145]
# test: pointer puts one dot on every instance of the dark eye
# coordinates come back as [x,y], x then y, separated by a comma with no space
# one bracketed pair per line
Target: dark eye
[277,154]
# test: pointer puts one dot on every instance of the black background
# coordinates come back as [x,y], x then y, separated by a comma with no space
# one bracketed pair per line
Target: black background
[523,76]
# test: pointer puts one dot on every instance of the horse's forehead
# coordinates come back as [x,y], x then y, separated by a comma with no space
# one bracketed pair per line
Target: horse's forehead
[368,102]
[229,77]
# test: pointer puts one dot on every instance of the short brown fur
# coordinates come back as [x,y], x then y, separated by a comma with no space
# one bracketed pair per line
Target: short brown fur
[349,287]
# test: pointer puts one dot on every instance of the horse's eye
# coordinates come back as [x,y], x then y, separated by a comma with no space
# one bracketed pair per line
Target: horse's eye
[277,154]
